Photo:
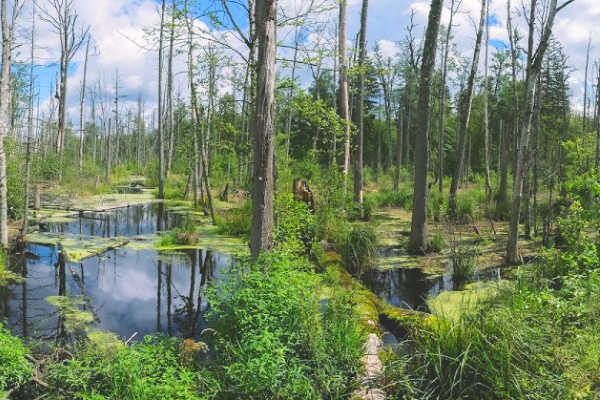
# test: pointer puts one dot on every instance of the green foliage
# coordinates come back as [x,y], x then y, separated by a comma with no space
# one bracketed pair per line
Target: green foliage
[6,276]
[185,234]
[295,228]
[358,248]
[536,339]
[401,198]
[236,221]
[577,255]
[15,370]
[438,243]
[143,371]
[436,205]
[464,261]
[271,339]
[466,208]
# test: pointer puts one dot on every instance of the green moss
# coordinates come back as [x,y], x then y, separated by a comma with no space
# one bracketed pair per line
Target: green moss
[106,343]
[453,304]
[76,248]
[209,239]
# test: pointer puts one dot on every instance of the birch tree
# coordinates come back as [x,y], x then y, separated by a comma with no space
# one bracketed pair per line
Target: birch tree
[8,29]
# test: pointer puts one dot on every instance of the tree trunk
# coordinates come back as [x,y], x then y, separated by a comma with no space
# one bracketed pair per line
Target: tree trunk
[358,172]
[7,43]
[170,91]
[418,234]
[466,103]
[442,112]
[29,130]
[400,134]
[161,151]
[262,200]
[486,119]
[344,107]
[82,107]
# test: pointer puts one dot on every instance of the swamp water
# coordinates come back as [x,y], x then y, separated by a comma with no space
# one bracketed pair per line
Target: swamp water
[410,288]
[125,290]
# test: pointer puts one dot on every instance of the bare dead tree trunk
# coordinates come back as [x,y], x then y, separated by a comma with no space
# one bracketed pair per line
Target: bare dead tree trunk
[486,118]
[7,45]
[419,232]
[171,132]
[108,158]
[466,103]
[82,106]
[161,151]
[362,51]
[344,108]
[442,113]
[138,142]
[400,135]
[29,130]
[262,200]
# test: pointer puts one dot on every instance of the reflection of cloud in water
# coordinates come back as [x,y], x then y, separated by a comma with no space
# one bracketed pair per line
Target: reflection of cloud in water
[122,286]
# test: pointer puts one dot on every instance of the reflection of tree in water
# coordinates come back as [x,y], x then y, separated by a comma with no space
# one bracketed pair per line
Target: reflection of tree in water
[61,275]
[188,314]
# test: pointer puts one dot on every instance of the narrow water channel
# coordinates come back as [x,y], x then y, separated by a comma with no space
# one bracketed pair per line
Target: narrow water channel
[126,290]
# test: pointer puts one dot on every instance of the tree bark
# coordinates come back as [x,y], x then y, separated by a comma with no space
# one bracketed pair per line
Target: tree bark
[344,107]
[29,131]
[161,151]
[82,107]
[7,44]
[442,112]
[171,133]
[261,238]
[486,119]
[358,171]
[419,232]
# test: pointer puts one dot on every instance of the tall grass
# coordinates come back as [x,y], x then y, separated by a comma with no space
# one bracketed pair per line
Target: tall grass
[358,249]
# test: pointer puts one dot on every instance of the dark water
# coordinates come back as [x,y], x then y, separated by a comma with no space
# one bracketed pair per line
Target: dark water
[127,290]
[127,221]
[410,287]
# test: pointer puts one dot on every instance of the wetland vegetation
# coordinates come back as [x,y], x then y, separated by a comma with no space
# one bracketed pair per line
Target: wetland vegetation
[312,217]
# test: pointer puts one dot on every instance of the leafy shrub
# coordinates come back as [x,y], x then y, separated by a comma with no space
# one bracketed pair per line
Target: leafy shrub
[272,341]
[15,370]
[358,249]
[295,228]
[144,371]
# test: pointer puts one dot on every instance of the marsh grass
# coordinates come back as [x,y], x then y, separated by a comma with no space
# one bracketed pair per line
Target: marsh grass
[358,248]
[464,260]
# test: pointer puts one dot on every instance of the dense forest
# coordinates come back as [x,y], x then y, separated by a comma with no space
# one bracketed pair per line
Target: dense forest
[284,207]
